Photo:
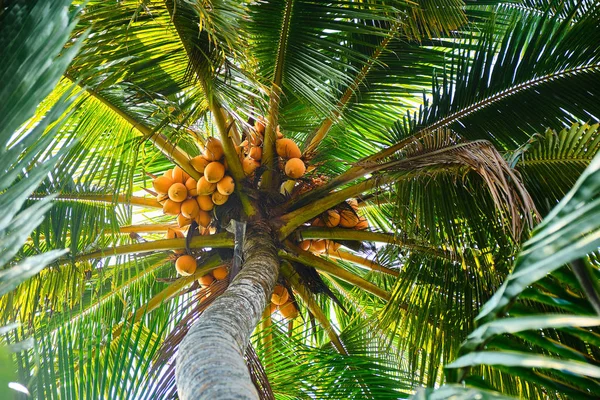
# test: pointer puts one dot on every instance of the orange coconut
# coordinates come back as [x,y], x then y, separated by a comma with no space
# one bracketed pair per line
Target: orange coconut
[318,246]
[249,165]
[362,224]
[168,174]
[171,207]
[206,280]
[162,184]
[214,172]
[289,311]
[317,222]
[213,150]
[203,219]
[272,308]
[304,245]
[295,168]
[199,163]
[220,273]
[204,187]
[205,202]
[280,295]
[260,125]
[348,219]
[332,246]
[174,233]
[192,186]
[178,192]
[178,175]
[183,221]
[226,185]
[286,148]
[190,208]
[219,198]
[255,153]
[185,265]
[353,203]
[279,134]
[331,218]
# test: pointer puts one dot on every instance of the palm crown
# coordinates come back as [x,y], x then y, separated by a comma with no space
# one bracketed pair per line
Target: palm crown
[452,127]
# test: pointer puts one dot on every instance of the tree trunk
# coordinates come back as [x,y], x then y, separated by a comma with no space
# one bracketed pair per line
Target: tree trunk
[210,361]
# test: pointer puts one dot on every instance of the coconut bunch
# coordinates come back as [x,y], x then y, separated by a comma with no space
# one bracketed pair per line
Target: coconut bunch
[217,274]
[342,216]
[290,162]
[282,301]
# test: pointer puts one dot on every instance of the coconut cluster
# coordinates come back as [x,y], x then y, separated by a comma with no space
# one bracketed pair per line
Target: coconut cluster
[282,301]
[342,216]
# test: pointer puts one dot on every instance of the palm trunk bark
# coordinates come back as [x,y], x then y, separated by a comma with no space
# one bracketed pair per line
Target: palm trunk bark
[210,361]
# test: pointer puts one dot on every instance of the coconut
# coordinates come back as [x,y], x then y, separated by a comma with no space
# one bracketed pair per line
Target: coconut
[332,246]
[185,265]
[205,202]
[161,198]
[162,184]
[331,218]
[190,208]
[286,148]
[168,174]
[295,168]
[174,233]
[260,125]
[220,273]
[178,192]
[192,186]
[272,308]
[178,175]
[219,199]
[353,203]
[226,185]
[279,134]
[199,163]
[213,150]
[289,311]
[255,153]
[318,246]
[171,207]
[280,295]
[304,245]
[317,222]
[214,172]
[348,219]
[203,219]
[183,221]
[362,224]
[249,165]
[204,187]
[206,280]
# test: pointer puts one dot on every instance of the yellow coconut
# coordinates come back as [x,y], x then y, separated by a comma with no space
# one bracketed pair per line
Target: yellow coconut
[249,165]
[304,245]
[280,295]
[162,184]
[192,186]
[318,246]
[213,150]
[219,199]
[205,202]
[178,192]
[295,168]
[362,224]
[255,153]
[348,219]
[174,233]
[203,219]
[220,273]
[331,218]
[206,280]
[190,208]
[204,187]
[226,186]
[289,311]
[214,172]
[287,148]
[171,207]
[199,163]
[185,265]
[183,221]
[161,198]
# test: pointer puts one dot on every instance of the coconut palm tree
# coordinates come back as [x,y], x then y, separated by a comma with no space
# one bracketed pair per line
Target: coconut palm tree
[445,130]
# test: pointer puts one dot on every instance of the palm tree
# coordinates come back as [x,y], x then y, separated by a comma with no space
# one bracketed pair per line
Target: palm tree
[452,127]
